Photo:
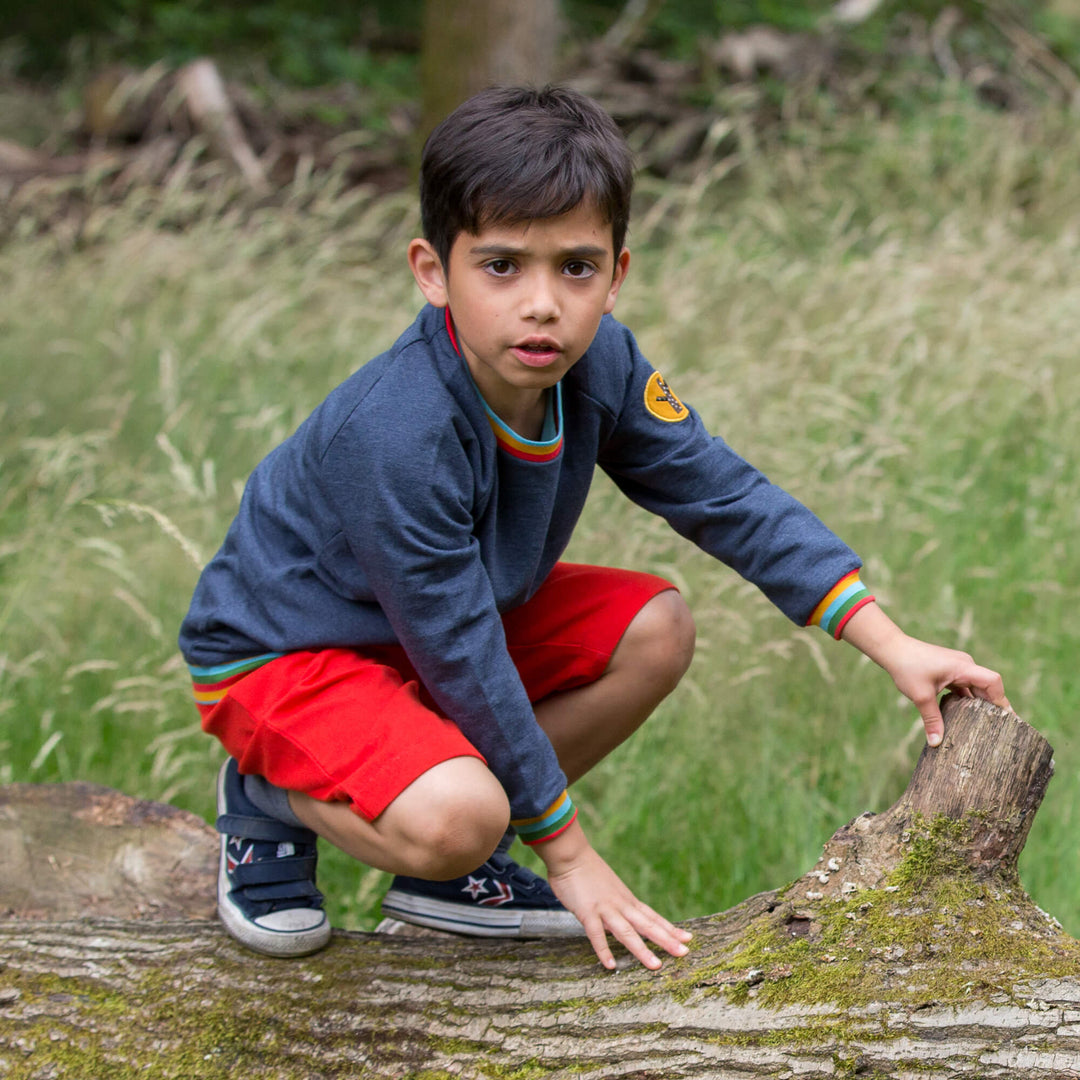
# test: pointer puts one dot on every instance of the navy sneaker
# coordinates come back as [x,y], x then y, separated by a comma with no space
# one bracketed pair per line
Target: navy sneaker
[266,878]
[501,899]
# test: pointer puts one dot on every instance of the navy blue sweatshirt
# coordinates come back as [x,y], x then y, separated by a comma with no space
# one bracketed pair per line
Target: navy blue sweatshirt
[395,514]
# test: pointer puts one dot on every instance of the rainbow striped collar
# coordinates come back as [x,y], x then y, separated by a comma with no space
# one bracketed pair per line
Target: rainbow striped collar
[546,449]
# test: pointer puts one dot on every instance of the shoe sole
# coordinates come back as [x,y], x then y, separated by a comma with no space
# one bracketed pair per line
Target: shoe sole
[480,922]
[260,939]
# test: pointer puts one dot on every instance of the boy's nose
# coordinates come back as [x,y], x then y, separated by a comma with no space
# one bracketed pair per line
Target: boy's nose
[541,300]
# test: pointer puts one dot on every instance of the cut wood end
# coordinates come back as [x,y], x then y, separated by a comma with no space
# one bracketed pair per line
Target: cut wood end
[79,850]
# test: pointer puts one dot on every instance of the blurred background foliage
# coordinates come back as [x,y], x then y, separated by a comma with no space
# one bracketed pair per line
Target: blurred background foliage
[682,78]
[313,42]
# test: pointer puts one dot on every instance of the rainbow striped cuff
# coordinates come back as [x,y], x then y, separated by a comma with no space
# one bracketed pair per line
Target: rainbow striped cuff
[210,684]
[839,604]
[558,817]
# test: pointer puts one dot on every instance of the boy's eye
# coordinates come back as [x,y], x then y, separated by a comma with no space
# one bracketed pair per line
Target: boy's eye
[499,267]
[579,269]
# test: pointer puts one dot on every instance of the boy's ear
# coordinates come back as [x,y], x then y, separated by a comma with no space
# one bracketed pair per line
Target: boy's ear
[622,268]
[427,268]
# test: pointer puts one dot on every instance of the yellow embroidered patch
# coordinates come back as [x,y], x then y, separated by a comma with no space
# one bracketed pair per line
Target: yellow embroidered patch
[661,402]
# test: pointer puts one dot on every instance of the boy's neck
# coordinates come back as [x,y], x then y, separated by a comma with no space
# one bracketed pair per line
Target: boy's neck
[526,420]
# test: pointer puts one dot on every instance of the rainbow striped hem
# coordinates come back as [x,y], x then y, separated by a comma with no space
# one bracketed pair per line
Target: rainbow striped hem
[839,604]
[210,684]
[558,817]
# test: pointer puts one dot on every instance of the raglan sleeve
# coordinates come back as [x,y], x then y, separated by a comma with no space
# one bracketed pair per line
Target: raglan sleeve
[661,455]
[406,507]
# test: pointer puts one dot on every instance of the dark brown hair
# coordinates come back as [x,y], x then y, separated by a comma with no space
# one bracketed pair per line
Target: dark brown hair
[511,154]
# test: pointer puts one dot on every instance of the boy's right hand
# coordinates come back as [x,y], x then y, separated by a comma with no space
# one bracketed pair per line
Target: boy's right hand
[589,888]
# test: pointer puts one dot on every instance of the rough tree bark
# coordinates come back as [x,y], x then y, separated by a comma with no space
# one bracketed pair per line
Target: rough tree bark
[908,950]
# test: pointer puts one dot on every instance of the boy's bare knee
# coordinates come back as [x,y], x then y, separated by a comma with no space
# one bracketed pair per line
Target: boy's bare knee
[451,819]
[660,639]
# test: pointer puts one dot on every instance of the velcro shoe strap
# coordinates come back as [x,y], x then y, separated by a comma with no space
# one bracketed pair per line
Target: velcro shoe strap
[286,890]
[262,828]
[271,871]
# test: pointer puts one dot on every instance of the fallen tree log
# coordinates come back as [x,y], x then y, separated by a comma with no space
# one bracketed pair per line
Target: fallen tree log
[909,950]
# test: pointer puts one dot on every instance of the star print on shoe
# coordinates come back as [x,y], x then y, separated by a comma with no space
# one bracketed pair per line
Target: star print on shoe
[499,899]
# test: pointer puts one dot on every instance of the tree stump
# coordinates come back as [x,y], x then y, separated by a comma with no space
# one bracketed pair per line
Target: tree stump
[910,950]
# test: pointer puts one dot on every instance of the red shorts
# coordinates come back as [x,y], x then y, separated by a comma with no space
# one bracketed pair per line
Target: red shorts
[355,725]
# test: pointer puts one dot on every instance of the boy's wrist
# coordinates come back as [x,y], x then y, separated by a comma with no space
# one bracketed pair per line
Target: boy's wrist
[873,633]
[563,850]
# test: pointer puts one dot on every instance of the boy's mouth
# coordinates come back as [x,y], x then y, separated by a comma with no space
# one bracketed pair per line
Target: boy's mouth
[537,352]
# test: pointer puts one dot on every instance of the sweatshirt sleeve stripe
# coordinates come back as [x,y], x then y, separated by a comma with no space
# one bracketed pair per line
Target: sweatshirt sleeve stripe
[557,818]
[846,597]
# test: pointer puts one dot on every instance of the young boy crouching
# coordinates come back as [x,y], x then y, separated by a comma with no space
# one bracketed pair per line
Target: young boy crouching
[388,644]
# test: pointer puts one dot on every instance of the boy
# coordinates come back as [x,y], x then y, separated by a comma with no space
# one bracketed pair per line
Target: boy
[387,644]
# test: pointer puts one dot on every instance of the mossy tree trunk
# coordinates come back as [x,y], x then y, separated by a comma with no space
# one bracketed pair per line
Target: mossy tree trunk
[910,949]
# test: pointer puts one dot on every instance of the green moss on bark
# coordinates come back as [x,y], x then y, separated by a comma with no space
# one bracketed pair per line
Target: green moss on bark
[935,931]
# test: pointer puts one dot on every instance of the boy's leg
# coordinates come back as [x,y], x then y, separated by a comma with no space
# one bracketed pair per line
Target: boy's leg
[586,723]
[339,745]
[439,838]
[637,644]
[444,824]
[598,649]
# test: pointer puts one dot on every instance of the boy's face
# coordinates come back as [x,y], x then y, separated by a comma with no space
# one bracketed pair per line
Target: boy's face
[526,300]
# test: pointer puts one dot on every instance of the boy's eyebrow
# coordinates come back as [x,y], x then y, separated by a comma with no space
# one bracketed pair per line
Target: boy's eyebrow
[582,251]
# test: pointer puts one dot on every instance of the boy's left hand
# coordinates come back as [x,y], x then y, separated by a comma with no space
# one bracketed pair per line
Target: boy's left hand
[921,671]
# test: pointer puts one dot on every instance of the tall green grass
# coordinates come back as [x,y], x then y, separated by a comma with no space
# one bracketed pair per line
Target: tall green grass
[882,317]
